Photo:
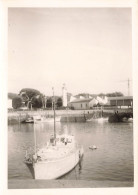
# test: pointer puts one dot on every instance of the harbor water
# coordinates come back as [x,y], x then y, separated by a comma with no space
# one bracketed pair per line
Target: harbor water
[111,161]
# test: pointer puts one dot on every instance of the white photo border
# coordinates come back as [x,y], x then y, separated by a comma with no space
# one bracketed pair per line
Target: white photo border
[3,93]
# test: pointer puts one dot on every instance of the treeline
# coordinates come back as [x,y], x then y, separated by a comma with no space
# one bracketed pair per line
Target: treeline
[32,98]
[114,94]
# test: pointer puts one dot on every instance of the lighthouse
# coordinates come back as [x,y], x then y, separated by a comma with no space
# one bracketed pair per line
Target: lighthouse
[64,95]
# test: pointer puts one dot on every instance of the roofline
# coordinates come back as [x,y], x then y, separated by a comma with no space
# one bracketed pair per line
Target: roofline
[82,100]
[120,98]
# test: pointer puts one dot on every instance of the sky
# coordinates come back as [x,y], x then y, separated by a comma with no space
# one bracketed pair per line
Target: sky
[88,49]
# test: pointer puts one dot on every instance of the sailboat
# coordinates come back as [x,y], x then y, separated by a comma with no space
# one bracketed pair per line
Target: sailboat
[48,120]
[59,156]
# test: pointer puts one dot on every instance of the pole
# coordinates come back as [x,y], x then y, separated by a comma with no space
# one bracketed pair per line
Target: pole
[54,116]
[34,135]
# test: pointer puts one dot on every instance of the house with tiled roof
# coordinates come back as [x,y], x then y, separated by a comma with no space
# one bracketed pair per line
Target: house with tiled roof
[80,104]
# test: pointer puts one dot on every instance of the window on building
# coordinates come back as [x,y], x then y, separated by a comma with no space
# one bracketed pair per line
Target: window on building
[86,105]
[81,105]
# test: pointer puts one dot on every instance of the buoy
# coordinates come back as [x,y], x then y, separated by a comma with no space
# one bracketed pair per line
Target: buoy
[93,147]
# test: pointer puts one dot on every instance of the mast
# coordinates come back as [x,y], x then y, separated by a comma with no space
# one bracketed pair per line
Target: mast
[54,116]
[34,135]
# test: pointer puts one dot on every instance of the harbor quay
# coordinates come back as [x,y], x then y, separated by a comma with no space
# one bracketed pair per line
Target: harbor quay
[66,115]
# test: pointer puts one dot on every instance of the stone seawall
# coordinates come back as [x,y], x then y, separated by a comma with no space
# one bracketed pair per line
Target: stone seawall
[66,115]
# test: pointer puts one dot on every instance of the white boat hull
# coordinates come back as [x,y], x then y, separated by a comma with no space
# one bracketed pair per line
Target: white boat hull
[56,168]
[48,120]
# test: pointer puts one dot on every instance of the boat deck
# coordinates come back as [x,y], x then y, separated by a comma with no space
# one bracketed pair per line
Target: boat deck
[56,152]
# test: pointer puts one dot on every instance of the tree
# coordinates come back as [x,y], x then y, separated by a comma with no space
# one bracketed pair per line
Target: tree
[49,103]
[28,94]
[16,102]
[115,94]
[44,100]
[59,102]
[102,94]
[37,102]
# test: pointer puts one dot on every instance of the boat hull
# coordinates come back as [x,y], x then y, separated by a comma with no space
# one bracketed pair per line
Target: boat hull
[48,120]
[57,168]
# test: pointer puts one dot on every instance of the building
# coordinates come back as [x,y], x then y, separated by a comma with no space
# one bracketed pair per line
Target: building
[102,100]
[121,101]
[82,104]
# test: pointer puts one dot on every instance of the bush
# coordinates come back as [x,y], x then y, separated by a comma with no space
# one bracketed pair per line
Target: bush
[17,102]
[49,103]
[36,102]
[59,102]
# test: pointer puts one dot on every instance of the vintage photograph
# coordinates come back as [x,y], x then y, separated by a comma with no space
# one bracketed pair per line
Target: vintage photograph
[70,98]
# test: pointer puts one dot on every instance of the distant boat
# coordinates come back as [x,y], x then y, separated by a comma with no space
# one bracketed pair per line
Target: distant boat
[99,120]
[59,156]
[49,120]
[121,117]
[127,120]
[40,119]
[28,120]
[93,147]
[130,120]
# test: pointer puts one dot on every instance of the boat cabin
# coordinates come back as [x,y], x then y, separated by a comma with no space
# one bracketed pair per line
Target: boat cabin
[62,139]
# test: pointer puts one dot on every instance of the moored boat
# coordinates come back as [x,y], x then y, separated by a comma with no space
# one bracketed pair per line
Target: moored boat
[28,120]
[48,120]
[121,117]
[56,158]
[53,161]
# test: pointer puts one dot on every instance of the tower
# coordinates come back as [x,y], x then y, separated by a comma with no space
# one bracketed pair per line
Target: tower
[64,95]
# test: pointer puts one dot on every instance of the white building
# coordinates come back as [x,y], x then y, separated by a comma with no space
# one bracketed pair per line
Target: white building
[64,95]
[72,98]
[9,104]
[86,103]
[83,104]
[102,100]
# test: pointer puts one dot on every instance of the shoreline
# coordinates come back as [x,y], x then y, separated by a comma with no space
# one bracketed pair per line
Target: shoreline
[66,115]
